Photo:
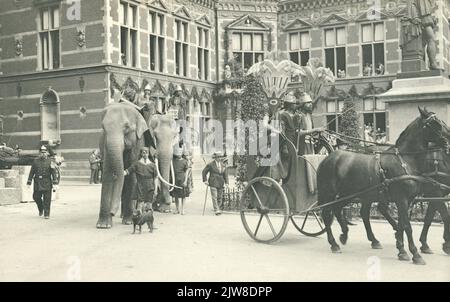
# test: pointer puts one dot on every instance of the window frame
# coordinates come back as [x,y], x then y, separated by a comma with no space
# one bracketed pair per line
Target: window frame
[203,53]
[336,114]
[183,69]
[372,44]
[300,49]
[374,111]
[132,58]
[336,46]
[254,53]
[49,34]
[159,37]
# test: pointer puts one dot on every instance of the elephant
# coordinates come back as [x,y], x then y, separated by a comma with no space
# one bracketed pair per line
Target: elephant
[123,135]
[165,136]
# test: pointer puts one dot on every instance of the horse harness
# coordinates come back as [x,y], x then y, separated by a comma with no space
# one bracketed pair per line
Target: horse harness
[425,177]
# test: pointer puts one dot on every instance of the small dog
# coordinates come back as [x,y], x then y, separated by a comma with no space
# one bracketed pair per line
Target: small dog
[140,219]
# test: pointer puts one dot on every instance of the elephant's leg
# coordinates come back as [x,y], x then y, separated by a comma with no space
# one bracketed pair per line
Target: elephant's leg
[105,216]
[128,192]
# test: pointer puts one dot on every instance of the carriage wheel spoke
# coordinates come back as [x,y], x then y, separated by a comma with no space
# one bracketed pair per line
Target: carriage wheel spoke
[270,224]
[304,221]
[257,197]
[318,221]
[259,224]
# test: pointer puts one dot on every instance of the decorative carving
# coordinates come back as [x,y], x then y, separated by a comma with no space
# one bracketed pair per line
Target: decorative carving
[130,89]
[81,37]
[81,83]
[18,45]
[186,92]
[83,112]
[20,115]
[183,12]
[194,94]
[19,89]
[247,22]
[158,89]
[114,84]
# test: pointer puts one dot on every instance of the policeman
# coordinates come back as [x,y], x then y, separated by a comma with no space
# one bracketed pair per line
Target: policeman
[43,172]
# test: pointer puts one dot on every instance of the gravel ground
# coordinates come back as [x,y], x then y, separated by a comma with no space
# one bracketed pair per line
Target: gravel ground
[192,247]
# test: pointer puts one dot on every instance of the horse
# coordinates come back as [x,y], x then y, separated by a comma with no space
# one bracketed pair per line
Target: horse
[437,162]
[390,176]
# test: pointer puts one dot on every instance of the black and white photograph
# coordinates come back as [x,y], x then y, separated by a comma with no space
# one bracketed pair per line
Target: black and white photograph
[244,141]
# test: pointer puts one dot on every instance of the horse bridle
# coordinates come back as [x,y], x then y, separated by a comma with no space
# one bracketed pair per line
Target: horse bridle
[444,139]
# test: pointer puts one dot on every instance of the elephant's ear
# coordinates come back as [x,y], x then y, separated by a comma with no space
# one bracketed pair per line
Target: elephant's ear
[141,126]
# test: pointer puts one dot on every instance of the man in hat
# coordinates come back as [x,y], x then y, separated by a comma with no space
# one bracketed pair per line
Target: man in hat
[287,117]
[94,162]
[218,178]
[43,173]
[305,129]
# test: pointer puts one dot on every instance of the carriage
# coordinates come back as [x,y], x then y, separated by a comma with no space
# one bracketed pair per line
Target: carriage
[267,204]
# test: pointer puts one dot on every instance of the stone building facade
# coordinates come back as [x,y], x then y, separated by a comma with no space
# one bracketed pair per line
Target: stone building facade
[62,60]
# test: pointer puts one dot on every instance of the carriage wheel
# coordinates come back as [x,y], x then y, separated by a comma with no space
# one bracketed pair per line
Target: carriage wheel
[264,210]
[310,225]
[322,146]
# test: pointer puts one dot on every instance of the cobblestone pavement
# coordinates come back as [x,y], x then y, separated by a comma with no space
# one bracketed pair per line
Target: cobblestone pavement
[192,247]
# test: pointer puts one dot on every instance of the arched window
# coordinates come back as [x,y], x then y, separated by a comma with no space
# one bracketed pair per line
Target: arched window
[50,118]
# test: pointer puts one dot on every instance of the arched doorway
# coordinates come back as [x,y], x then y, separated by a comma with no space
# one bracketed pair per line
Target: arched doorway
[50,118]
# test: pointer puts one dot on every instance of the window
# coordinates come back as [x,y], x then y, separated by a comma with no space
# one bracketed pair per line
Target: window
[181,48]
[128,34]
[299,45]
[335,53]
[372,37]
[248,48]
[157,41]
[374,120]
[334,110]
[49,38]
[203,53]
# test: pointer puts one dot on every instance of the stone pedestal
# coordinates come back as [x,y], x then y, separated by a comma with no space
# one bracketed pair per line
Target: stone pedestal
[407,93]
[413,56]
[9,190]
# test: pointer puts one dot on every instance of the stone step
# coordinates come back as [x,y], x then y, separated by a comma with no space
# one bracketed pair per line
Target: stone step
[66,172]
[74,178]
[10,196]
[77,165]
[2,183]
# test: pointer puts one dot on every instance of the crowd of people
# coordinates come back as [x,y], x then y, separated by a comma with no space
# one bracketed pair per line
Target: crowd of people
[374,135]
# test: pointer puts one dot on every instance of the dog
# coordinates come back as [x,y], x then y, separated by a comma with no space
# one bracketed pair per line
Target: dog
[140,219]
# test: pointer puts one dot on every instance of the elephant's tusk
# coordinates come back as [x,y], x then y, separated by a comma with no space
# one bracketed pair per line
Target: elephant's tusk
[173,175]
[163,180]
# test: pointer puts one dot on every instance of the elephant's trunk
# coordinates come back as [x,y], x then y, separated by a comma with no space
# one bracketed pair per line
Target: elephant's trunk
[113,174]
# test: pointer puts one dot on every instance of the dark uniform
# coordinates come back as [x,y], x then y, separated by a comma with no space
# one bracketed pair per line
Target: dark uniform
[43,172]
[146,175]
